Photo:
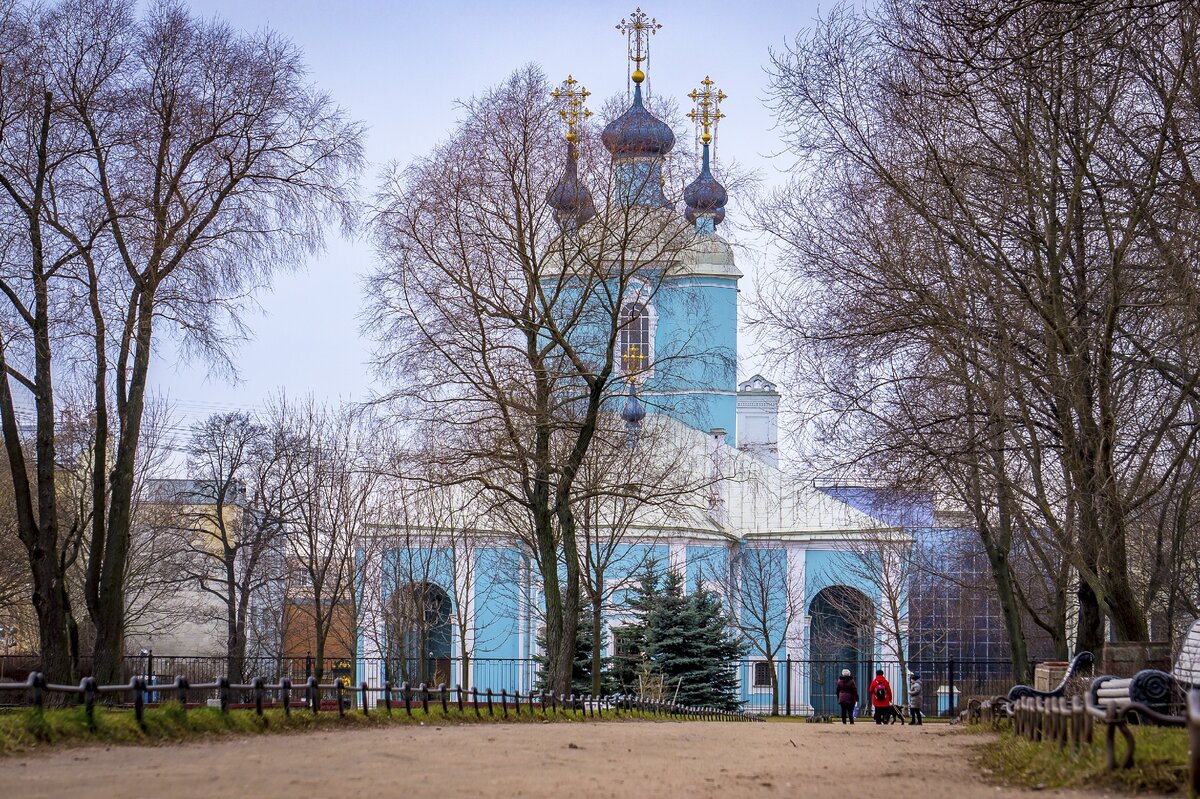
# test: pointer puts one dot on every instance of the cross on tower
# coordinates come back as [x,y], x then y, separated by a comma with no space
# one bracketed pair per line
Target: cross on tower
[571,95]
[637,30]
[707,111]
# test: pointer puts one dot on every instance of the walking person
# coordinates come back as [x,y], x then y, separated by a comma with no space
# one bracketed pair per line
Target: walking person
[881,697]
[847,695]
[916,696]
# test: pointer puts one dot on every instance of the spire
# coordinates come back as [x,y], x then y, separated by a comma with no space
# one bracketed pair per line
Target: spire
[638,140]
[705,197]
[570,198]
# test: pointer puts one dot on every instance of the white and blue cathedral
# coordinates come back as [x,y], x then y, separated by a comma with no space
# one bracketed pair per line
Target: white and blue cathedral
[807,532]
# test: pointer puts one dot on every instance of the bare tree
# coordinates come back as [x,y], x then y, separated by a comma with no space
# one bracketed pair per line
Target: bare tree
[996,199]
[331,486]
[156,170]
[632,484]
[231,516]
[763,601]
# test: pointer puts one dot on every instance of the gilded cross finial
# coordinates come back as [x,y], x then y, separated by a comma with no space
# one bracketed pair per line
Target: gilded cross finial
[634,362]
[707,111]
[638,29]
[571,96]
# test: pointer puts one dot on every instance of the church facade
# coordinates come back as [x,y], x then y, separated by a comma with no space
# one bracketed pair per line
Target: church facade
[795,562]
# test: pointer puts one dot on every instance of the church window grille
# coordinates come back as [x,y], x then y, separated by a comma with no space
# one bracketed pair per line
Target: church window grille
[762,674]
[637,322]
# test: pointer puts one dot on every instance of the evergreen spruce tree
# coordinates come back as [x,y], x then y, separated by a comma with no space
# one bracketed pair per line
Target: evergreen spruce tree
[689,643]
[718,651]
[630,638]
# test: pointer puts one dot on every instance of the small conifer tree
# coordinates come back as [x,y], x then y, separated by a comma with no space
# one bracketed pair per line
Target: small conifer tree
[688,640]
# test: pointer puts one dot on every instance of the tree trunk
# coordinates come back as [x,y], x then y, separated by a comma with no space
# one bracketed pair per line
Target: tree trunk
[597,644]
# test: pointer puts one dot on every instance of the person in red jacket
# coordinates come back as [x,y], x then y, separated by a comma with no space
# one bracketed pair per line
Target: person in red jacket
[881,696]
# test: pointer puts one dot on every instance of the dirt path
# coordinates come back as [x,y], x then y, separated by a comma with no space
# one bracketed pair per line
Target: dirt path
[635,759]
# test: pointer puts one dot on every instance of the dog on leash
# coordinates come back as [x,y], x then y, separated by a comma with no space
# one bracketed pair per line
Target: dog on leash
[893,714]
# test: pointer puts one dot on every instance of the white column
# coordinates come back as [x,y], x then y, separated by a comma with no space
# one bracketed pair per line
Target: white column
[677,559]
[371,624]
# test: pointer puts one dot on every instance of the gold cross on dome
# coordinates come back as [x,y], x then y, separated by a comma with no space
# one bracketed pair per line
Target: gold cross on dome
[638,29]
[707,110]
[571,95]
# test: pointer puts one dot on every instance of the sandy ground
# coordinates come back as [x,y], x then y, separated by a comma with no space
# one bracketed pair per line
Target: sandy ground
[631,759]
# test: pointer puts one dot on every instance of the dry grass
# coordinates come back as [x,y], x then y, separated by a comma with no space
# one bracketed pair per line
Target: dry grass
[23,730]
[1160,763]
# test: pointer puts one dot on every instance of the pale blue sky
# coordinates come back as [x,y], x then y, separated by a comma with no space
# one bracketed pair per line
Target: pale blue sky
[399,67]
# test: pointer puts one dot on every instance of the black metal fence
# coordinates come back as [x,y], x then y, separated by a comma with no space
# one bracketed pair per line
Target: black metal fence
[312,696]
[809,687]
[790,686]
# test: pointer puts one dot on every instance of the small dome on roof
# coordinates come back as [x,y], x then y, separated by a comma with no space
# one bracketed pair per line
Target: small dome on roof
[637,133]
[704,196]
[570,199]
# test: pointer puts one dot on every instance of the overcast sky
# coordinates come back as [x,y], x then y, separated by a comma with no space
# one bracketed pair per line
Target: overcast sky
[399,67]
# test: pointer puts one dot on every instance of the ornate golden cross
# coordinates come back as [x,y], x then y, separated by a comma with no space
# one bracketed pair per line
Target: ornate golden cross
[638,29]
[707,110]
[571,96]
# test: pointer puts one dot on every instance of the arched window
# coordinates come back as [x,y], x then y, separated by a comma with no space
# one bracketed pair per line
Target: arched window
[637,321]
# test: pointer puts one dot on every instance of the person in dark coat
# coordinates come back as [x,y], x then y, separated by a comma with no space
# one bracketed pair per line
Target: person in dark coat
[847,695]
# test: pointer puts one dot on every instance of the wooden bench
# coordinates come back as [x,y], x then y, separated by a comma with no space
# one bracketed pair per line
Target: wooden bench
[1148,697]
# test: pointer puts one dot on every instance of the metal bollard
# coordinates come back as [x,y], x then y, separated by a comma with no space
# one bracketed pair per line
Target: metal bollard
[363,688]
[387,697]
[286,694]
[424,698]
[257,685]
[504,702]
[406,692]
[459,690]
[475,700]
[139,700]
[223,693]
[442,691]
[339,689]
[88,684]
[491,710]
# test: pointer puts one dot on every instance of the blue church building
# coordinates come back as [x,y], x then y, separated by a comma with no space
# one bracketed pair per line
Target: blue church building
[474,593]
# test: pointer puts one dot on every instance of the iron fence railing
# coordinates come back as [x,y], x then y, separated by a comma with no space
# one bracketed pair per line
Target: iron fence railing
[809,687]
[787,686]
[262,695]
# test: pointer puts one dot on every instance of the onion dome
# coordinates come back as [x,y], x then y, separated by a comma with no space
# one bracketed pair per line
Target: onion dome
[570,199]
[637,133]
[633,411]
[704,197]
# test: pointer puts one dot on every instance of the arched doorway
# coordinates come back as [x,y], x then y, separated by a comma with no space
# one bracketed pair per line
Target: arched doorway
[418,635]
[841,636]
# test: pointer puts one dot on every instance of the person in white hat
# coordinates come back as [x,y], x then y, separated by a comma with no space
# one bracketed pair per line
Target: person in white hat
[847,695]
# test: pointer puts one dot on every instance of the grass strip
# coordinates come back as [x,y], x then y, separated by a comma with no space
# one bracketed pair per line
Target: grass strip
[27,729]
[1160,762]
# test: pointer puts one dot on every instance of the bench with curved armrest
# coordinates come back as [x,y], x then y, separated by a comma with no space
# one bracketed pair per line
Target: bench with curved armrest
[1149,697]
[1080,663]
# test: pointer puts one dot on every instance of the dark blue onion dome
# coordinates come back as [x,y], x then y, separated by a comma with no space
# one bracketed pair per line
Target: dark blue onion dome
[637,133]
[639,141]
[570,199]
[633,411]
[705,199]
